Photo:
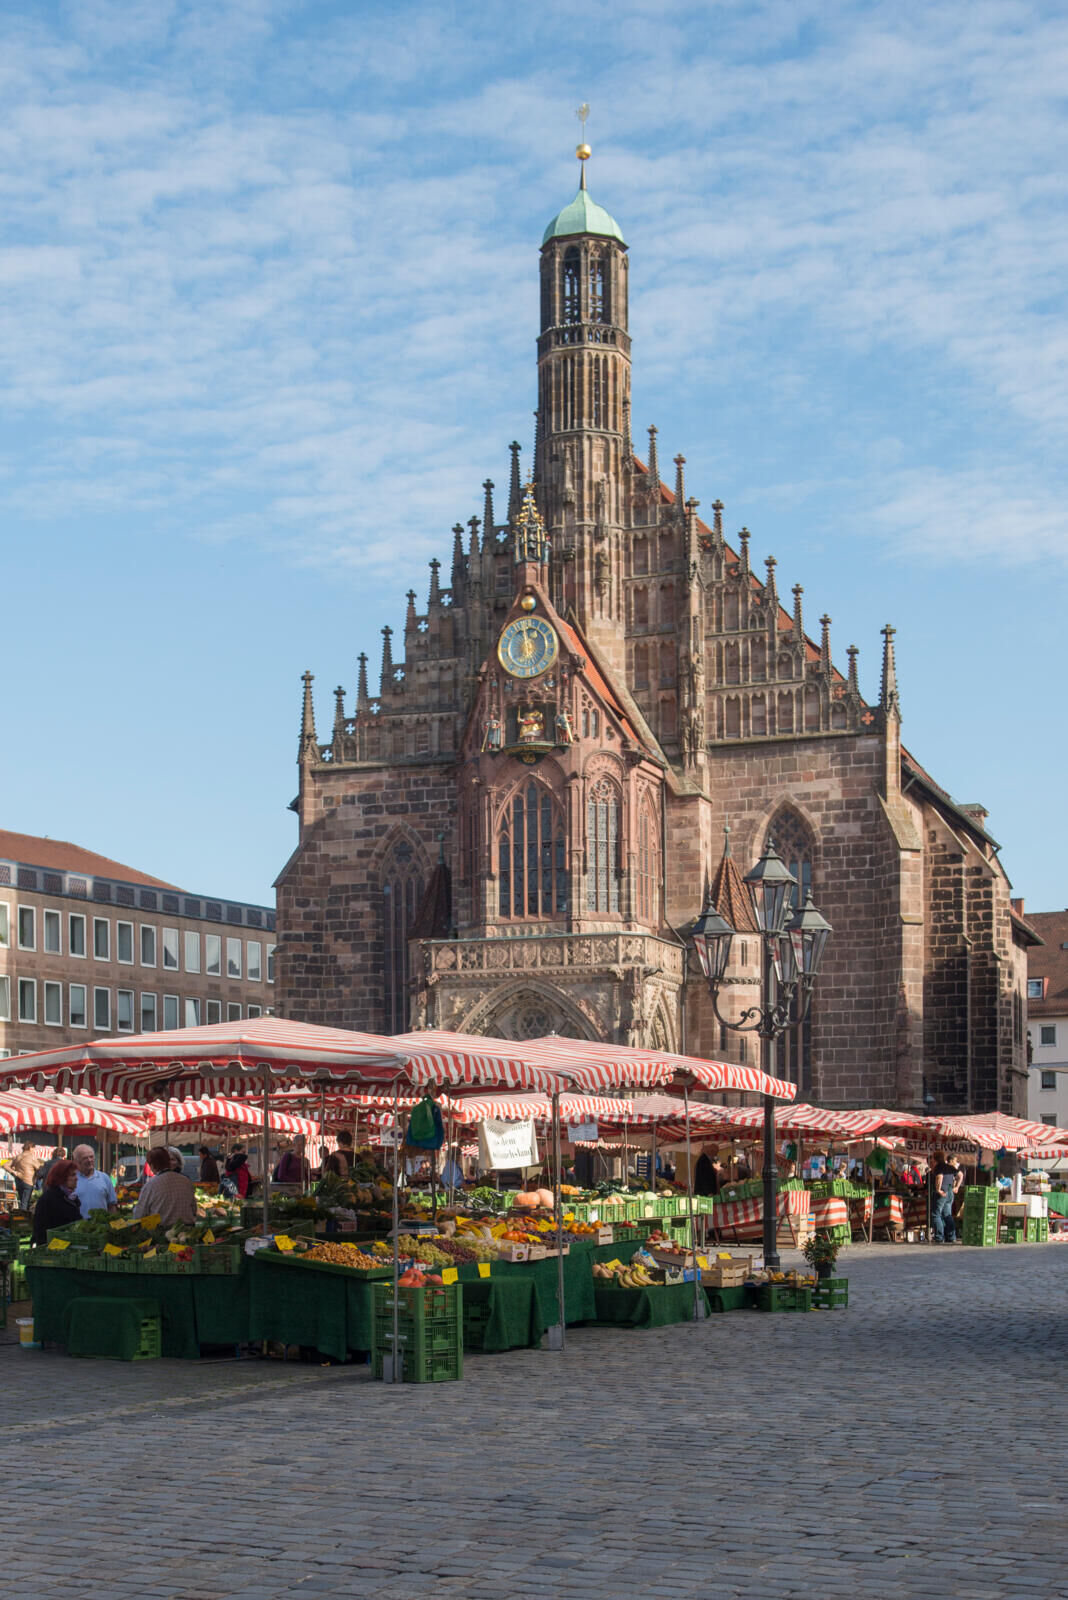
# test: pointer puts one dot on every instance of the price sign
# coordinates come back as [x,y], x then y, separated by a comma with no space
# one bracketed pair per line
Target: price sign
[284,1242]
[450,1275]
[112,1250]
[59,1244]
[150,1253]
[119,1222]
[702,1262]
[174,1248]
[209,1237]
[483,1269]
[151,1222]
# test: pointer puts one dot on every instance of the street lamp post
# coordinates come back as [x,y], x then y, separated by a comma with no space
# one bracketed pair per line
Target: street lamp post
[792,943]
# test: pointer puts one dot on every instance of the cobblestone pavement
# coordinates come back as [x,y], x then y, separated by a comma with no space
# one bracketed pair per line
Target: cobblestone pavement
[906,1447]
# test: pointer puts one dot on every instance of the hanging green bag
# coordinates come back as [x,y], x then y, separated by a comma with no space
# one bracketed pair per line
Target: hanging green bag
[426,1130]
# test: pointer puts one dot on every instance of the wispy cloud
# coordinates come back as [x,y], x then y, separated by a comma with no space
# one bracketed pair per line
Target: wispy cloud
[269,277]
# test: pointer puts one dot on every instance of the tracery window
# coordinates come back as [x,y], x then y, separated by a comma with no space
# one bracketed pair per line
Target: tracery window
[597,296]
[401,895]
[572,290]
[602,847]
[648,864]
[532,856]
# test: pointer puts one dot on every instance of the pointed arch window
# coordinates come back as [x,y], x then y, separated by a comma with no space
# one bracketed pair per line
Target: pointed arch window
[597,289]
[401,894]
[648,864]
[571,288]
[602,847]
[531,856]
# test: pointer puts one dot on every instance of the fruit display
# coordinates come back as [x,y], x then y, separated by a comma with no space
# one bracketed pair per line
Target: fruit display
[623,1277]
[338,1255]
[425,1251]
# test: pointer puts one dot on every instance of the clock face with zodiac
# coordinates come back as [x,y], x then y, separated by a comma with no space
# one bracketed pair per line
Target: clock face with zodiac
[527,647]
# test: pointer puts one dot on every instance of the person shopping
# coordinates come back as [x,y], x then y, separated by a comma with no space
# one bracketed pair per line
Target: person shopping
[24,1171]
[57,1205]
[168,1195]
[946,1179]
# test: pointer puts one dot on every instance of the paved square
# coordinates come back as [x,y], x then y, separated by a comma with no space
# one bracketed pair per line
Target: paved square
[910,1446]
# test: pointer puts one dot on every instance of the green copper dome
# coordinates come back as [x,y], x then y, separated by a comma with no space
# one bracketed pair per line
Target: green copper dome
[583,216]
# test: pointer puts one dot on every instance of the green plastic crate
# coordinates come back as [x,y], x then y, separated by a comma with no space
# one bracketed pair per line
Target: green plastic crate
[830,1294]
[420,1305]
[783,1297]
[426,1368]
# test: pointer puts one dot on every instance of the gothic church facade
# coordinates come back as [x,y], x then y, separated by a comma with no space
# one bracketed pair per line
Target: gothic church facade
[513,835]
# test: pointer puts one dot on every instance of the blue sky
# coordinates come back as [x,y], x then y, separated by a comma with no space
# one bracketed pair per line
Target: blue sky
[268,283]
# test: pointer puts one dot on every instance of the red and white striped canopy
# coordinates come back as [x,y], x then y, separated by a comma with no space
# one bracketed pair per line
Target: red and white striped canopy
[803,1119]
[218,1060]
[931,1131]
[217,1113]
[595,1067]
[1019,1127]
[469,1061]
[26,1108]
[523,1107]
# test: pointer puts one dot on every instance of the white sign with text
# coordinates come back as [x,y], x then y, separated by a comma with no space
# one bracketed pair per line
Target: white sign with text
[502,1145]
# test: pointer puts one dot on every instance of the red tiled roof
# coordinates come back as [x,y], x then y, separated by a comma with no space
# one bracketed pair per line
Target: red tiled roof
[58,855]
[730,898]
[1049,961]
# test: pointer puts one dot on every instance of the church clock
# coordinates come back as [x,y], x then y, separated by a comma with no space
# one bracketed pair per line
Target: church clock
[528,647]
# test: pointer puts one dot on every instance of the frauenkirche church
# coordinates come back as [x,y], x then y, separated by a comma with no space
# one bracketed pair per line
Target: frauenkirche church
[513,835]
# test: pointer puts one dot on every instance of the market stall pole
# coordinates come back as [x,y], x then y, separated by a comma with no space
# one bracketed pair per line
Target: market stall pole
[792,946]
[559,1204]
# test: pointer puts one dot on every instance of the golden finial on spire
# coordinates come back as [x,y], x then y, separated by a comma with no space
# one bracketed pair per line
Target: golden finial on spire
[583,151]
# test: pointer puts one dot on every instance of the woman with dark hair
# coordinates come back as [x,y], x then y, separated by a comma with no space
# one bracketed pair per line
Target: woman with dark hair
[57,1205]
[237,1171]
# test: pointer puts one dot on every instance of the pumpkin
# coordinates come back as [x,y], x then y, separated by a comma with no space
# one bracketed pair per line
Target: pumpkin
[526,1202]
[546,1198]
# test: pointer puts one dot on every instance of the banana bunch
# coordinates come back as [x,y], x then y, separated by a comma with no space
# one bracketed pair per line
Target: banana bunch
[634,1278]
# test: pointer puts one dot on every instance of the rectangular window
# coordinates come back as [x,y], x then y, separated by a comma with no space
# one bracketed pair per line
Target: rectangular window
[214,1011]
[192,952]
[5,998]
[124,1010]
[27,928]
[102,1009]
[76,934]
[255,1011]
[1049,1080]
[170,1011]
[233,958]
[52,925]
[5,925]
[148,1013]
[233,1011]
[192,1014]
[1049,1118]
[148,946]
[124,942]
[270,963]
[1047,1034]
[27,1000]
[213,955]
[170,949]
[53,1004]
[78,1018]
[101,939]
[254,957]
[1034,988]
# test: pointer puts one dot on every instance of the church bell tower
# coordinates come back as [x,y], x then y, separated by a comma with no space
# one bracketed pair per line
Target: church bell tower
[584,405]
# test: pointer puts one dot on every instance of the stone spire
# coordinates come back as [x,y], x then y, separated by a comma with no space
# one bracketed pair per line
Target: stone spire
[654,466]
[743,553]
[799,625]
[825,645]
[411,620]
[771,593]
[309,744]
[488,523]
[515,492]
[472,544]
[459,571]
[363,699]
[888,696]
[339,713]
[680,487]
[717,523]
[387,662]
[434,598]
[854,686]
